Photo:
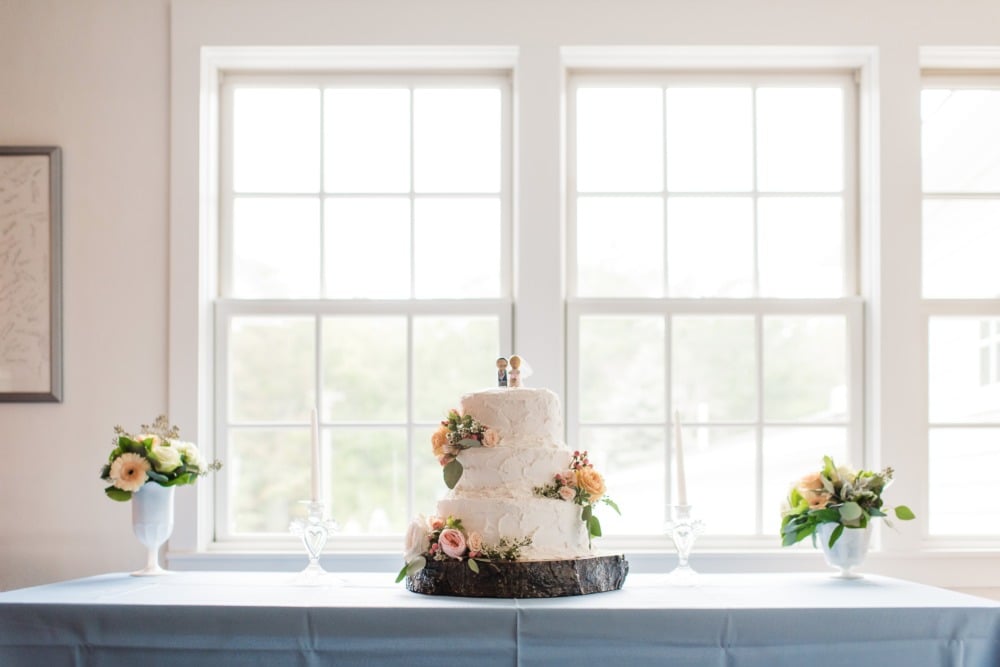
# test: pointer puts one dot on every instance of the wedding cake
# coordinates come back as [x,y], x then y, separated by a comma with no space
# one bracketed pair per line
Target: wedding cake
[518,520]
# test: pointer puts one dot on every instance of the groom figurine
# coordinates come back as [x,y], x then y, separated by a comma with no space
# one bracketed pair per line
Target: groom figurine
[501,372]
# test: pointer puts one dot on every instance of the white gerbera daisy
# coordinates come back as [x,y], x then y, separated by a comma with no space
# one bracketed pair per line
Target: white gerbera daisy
[128,471]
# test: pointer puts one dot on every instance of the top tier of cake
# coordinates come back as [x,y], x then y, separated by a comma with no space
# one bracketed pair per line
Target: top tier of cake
[523,417]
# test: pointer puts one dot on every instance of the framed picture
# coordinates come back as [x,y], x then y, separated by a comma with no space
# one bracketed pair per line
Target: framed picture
[30,274]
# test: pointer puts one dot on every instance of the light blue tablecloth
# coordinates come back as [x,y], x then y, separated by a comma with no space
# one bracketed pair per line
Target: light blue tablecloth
[243,618]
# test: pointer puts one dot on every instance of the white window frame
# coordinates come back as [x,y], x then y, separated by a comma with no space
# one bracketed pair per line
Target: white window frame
[850,306]
[948,68]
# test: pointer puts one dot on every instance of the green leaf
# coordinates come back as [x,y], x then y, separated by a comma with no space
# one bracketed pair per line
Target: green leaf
[850,511]
[115,493]
[469,442]
[835,535]
[904,513]
[452,473]
[612,504]
[588,512]
[402,574]
[158,477]
[594,526]
[416,565]
[473,565]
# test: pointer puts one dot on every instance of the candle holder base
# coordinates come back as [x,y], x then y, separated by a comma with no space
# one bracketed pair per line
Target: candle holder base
[314,530]
[683,528]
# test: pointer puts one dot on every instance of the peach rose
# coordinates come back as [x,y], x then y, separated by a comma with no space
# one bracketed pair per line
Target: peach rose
[590,481]
[491,438]
[435,523]
[811,488]
[452,543]
[475,543]
[439,440]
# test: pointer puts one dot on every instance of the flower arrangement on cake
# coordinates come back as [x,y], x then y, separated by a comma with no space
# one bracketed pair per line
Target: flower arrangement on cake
[840,495]
[156,454]
[446,539]
[455,434]
[583,485]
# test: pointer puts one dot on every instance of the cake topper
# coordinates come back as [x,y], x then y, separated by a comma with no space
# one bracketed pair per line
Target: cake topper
[514,374]
[501,372]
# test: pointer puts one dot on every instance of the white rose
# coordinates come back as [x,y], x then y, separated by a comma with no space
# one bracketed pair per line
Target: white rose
[475,542]
[417,540]
[567,492]
[165,458]
[191,454]
[143,437]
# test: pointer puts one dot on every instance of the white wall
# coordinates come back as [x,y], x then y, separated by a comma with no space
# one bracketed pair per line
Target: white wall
[94,77]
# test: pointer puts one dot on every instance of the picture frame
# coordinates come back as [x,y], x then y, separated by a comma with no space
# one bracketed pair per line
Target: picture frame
[31,274]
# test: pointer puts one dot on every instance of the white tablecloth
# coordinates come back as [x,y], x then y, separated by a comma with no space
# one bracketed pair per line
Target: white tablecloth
[734,620]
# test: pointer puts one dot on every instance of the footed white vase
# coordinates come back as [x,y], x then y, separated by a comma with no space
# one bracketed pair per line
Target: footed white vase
[152,523]
[847,552]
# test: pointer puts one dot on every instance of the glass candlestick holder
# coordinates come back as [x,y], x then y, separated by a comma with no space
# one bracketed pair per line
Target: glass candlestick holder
[683,528]
[315,530]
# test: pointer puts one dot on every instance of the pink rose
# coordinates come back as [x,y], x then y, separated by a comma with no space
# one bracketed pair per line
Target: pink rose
[436,523]
[491,438]
[567,492]
[452,543]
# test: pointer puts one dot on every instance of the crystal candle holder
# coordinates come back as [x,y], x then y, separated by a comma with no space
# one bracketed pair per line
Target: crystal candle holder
[315,530]
[683,528]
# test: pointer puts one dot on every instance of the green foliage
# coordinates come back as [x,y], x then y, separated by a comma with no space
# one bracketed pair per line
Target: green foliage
[904,513]
[473,565]
[115,493]
[452,473]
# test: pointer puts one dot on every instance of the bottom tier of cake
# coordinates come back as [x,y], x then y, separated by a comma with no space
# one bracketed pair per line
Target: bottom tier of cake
[521,579]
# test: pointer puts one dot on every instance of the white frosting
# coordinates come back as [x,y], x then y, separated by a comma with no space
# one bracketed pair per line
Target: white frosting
[495,496]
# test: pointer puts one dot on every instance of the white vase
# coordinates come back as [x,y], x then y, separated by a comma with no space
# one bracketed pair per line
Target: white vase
[152,523]
[847,552]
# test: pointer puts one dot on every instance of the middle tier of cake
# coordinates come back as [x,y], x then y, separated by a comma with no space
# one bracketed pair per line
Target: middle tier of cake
[509,472]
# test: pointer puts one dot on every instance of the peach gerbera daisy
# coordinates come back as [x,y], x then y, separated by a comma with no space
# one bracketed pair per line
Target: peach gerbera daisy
[128,471]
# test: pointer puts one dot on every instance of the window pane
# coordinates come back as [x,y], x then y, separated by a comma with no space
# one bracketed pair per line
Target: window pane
[719,463]
[369,478]
[622,369]
[632,462]
[789,455]
[268,474]
[709,140]
[367,140]
[457,248]
[955,387]
[276,140]
[456,140]
[619,246]
[275,248]
[714,375]
[271,362]
[801,247]
[963,480]
[960,244]
[961,140]
[800,139]
[710,245]
[619,140]
[367,248]
[364,369]
[451,357]
[805,368]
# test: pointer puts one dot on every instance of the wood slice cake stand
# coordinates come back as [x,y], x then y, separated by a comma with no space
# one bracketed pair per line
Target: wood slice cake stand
[521,579]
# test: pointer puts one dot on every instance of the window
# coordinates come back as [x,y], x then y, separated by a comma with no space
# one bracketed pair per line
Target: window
[961,285]
[365,271]
[712,275]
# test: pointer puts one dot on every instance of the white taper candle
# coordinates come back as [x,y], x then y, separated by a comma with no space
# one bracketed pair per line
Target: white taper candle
[681,474]
[317,463]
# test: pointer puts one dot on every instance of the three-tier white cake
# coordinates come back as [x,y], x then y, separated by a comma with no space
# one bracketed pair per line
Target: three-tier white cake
[495,496]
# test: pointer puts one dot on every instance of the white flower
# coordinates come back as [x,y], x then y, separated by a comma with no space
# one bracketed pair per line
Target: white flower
[128,471]
[191,455]
[165,458]
[475,542]
[417,541]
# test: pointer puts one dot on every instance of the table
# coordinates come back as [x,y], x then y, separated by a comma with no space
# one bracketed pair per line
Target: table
[206,619]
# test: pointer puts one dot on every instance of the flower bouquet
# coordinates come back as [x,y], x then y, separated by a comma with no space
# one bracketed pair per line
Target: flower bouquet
[440,539]
[455,434]
[836,495]
[157,455]
[583,485]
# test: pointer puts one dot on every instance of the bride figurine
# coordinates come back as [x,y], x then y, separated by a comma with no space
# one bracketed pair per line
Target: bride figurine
[514,374]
